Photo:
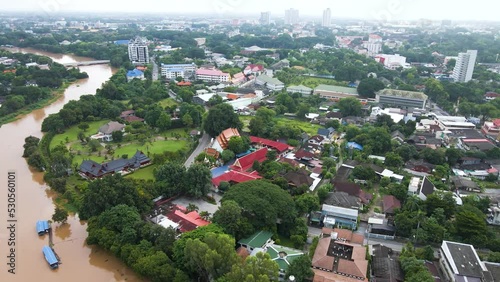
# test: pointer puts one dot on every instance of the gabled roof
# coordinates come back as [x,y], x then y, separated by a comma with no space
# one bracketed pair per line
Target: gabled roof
[342,199]
[303,154]
[390,203]
[246,162]
[326,131]
[353,189]
[225,135]
[257,240]
[235,177]
[111,127]
[278,146]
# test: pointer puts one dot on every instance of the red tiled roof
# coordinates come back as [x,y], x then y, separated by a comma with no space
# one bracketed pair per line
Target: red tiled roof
[246,162]
[184,83]
[303,154]
[133,118]
[278,146]
[232,96]
[492,94]
[236,177]
[390,203]
[192,217]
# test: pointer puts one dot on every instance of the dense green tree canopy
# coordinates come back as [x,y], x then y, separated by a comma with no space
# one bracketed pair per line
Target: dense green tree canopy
[219,118]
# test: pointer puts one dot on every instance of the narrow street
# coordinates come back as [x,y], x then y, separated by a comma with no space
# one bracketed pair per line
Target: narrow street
[155,71]
[203,143]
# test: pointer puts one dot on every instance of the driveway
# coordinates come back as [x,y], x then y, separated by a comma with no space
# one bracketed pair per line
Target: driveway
[202,144]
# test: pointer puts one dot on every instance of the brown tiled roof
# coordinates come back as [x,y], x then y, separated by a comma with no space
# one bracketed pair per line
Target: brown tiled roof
[225,135]
[320,258]
[390,203]
[356,268]
[299,177]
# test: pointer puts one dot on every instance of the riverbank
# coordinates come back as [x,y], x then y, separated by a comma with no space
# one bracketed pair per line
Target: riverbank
[55,95]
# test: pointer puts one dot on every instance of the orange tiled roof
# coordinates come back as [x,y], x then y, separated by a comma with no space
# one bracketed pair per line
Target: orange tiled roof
[225,135]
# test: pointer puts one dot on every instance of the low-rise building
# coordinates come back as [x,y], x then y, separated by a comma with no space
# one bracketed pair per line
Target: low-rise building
[304,90]
[135,74]
[222,141]
[172,71]
[105,132]
[270,83]
[401,98]
[333,216]
[212,75]
[421,187]
[491,128]
[92,170]
[460,262]
[333,92]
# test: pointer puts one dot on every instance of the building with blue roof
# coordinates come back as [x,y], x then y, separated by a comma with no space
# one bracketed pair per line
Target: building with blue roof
[354,145]
[50,257]
[135,73]
[42,227]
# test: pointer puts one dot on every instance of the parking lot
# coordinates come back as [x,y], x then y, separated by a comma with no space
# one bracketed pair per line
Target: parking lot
[201,204]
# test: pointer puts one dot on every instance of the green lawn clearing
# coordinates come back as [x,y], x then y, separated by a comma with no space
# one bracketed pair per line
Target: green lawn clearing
[71,134]
[168,102]
[311,129]
[145,173]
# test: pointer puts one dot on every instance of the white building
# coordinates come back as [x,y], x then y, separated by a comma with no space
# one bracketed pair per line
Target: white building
[327,18]
[374,44]
[270,82]
[464,67]
[177,70]
[265,18]
[138,50]
[291,16]
[460,262]
[420,187]
[392,62]
[212,75]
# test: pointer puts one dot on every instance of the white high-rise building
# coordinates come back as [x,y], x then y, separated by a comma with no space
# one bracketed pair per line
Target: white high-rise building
[138,50]
[464,67]
[327,18]
[291,16]
[265,18]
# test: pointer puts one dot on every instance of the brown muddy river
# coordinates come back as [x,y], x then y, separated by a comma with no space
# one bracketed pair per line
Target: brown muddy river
[34,202]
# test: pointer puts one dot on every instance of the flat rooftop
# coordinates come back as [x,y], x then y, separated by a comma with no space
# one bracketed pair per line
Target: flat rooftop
[337,89]
[402,94]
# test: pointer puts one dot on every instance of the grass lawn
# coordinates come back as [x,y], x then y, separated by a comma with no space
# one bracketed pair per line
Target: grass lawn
[72,133]
[181,131]
[286,242]
[168,102]
[313,82]
[149,149]
[145,173]
[311,129]
[77,160]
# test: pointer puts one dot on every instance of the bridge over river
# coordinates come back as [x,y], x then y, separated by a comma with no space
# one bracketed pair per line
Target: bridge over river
[86,63]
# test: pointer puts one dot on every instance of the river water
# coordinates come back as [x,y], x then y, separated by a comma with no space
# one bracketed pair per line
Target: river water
[34,201]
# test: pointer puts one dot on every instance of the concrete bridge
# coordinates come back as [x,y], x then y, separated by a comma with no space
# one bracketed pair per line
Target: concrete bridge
[86,63]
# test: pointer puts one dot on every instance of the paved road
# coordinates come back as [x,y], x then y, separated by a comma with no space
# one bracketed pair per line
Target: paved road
[155,71]
[204,142]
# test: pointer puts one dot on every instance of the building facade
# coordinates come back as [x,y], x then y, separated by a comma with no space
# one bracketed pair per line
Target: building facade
[327,18]
[173,71]
[400,98]
[138,50]
[265,18]
[291,16]
[464,67]
[212,75]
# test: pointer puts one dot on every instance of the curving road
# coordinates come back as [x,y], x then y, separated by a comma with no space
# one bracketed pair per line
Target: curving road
[203,143]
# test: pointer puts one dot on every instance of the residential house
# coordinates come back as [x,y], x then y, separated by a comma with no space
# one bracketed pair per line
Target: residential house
[129,116]
[253,69]
[304,90]
[482,145]
[270,82]
[343,200]
[299,178]
[245,163]
[334,116]
[491,96]
[238,79]
[105,132]
[316,140]
[353,189]
[185,221]
[491,128]
[466,184]
[421,187]
[340,256]
[91,170]
[222,141]
[326,132]
[398,137]
[280,65]
[333,216]
[460,262]
[379,227]
[135,74]
[385,266]
[333,92]
[419,167]
[390,204]
[212,75]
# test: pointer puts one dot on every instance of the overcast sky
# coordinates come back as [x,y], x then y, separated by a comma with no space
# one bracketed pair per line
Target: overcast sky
[362,9]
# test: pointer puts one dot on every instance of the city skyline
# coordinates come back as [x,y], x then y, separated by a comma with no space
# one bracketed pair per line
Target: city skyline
[361,9]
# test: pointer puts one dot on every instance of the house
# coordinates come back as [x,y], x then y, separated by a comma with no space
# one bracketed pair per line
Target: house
[270,82]
[326,132]
[390,204]
[253,69]
[304,155]
[316,140]
[280,65]
[353,189]
[129,116]
[222,141]
[105,132]
[262,242]
[299,178]
[304,90]
[385,264]
[245,163]
[335,93]
[185,221]
[466,184]
[338,258]
[419,167]
[421,187]
[135,74]
[280,148]
[398,137]
[491,96]
[235,177]
[238,78]
[482,145]
[491,128]
[460,262]
[184,83]
[91,170]
[379,227]
[333,216]
[344,200]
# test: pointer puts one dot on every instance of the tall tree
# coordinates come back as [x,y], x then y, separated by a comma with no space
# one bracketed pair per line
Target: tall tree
[368,86]
[258,268]
[300,268]
[350,107]
[220,118]
[197,180]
